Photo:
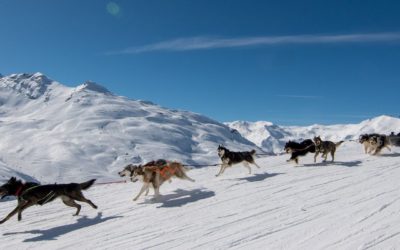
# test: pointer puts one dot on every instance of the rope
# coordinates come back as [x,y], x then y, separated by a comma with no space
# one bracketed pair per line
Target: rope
[29,189]
[271,154]
[110,182]
[49,195]
[265,154]
[297,150]
[205,165]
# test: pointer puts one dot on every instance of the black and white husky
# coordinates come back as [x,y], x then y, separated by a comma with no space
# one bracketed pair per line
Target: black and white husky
[299,149]
[230,158]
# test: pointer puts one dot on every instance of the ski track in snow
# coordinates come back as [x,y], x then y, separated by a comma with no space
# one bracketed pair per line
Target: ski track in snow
[351,204]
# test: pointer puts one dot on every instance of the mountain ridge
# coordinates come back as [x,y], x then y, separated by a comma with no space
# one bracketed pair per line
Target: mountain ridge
[53,132]
[272,137]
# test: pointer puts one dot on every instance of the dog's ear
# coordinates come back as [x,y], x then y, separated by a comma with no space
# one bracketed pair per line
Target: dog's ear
[13,179]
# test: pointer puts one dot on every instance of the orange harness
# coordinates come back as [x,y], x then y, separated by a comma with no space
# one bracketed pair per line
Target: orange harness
[164,170]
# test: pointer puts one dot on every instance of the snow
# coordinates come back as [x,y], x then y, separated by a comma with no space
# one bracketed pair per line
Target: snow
[272,138]
[53,133]
[350,204]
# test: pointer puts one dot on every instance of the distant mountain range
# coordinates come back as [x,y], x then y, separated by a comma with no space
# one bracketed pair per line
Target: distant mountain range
[272,138]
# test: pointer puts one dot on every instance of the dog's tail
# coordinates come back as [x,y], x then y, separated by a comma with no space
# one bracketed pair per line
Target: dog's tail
[252,152]
[338,144]
[86,185]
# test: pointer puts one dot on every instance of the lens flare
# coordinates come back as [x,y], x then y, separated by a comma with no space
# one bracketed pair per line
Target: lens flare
[113,8]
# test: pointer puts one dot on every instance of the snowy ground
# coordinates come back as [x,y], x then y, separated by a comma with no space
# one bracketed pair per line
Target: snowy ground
[351,204]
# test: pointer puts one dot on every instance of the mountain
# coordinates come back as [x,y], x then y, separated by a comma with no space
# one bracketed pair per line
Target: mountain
[52,132]
[272,138]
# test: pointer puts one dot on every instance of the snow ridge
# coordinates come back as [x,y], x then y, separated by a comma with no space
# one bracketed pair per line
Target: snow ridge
[272,138]
[31,85]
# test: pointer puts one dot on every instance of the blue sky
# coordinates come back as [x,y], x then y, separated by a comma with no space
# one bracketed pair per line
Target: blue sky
[289,62]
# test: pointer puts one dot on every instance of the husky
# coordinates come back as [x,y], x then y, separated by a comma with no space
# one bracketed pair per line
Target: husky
[30,194]
[370,142]
[230,158]
[299,149]
[364,140]
[378,142]
[154,173]
[325,147]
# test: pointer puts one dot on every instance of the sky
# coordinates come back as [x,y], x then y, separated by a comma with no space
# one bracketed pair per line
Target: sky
[288,62]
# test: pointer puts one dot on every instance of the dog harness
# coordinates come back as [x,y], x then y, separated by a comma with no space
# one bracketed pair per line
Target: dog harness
[45,199]
[163,171]
[18,192]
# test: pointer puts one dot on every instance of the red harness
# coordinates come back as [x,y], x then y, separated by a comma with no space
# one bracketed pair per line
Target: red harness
[164,170]
[18,192]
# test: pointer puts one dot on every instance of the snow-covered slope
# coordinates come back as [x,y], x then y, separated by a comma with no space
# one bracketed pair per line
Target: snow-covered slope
[351,204]
[272,138]
[55,133]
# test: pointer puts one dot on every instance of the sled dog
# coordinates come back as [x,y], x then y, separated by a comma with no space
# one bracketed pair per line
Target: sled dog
[230,158]
[154,173]
[299,149]
[325,147]
[30,194]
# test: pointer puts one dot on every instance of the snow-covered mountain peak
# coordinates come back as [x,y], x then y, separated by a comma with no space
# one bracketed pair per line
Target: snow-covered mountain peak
[31,85]
[62,133]
[92,86]
[381,119]
[272,137]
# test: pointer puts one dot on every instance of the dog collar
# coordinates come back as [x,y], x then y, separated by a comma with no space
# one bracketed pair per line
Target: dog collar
[19,190]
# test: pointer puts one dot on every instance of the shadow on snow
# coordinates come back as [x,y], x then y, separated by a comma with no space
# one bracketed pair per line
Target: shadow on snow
[336,163]
[390,155]
[53,233]
[258,177]
[181,197]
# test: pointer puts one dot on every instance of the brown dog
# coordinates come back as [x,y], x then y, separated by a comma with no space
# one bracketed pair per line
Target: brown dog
[325,147]
[155,174]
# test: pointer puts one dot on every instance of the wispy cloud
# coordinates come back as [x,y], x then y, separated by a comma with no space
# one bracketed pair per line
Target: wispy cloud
[301,96]
[203,43]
